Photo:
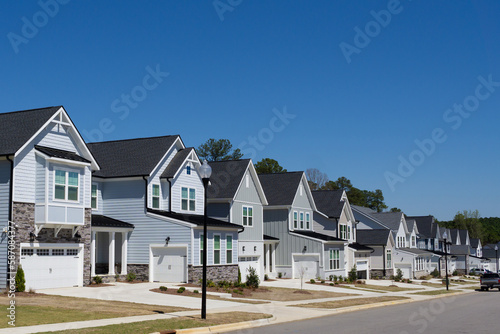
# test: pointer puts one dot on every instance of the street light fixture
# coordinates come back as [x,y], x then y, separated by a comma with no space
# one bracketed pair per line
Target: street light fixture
[205,173]
[496,253]
[445,236]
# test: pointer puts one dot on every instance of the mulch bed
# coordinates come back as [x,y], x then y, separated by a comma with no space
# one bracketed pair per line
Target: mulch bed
[93,285]
[241,294]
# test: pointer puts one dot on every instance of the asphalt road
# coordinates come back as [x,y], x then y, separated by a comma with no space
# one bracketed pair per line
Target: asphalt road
[476,313]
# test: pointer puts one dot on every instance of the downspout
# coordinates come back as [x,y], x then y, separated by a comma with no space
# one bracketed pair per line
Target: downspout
[169,194]
[145,195]
[383,260]
[337,227]
[10,223]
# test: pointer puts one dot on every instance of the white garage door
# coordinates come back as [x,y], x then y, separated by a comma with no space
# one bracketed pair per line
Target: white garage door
[362,265]
[169,264]
[245,262]
[308,265]
[405,268]
[52,267]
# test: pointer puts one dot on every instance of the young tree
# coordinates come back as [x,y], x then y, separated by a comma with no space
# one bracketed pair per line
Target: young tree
[316,178]
[218,150]
[268,165]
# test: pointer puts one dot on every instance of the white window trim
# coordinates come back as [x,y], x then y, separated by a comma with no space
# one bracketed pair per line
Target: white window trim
[96,196]
[332,260]
[66,170]
[200,249]
[301,220]
[188,170]
[226,249]
[295,226]
[153,196]
[188,199]
[388,252]
[243,215]
[343,231]
[213,249]
[308,220]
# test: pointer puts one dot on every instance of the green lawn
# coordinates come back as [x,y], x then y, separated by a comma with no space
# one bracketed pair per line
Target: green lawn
[380,287]
[435,292]
[351,302]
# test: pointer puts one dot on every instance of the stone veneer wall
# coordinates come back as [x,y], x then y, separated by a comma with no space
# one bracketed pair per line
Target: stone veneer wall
[380,273]
[214,273]
[141,271]
[23,215]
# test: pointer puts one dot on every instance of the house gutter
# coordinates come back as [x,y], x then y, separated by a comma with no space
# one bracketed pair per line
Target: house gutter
[384,259]
[10,223]
[145,194]
[337,227]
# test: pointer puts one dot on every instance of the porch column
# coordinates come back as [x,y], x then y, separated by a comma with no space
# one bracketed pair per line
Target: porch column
[92,254]
[111,261]
[124,253]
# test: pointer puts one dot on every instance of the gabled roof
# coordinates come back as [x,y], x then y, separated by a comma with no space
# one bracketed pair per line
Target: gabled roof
[425,225]
[55,153]
[373,237]
[360,247]
[416,251]
[367,213]
[411,224]
[460,249]
[316,235]
[195,219]
[176,163]
[268,237]
[329,202]
[463,236]
[18,127]
[391,219]
[474,242]
[280,188]
[104,221]
[226,178]
[131,157]
[453,235]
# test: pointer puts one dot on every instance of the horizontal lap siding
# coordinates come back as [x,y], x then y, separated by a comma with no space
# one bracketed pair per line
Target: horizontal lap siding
[155,179]
[4,216]
[248,197]
[276,225]
[125,201]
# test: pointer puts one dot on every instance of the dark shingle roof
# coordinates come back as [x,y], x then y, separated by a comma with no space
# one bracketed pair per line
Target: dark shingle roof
[463,236]
[132,157]
[390,219]
[16,128]
[474,242]
[226,178]
[460,249]
[280,188]
[372,237]
[100,220]
[360,247]
[329,202]
[416,251]
[453,235]
[176,162]
[317,235]
[55,153]
[195,219]
[425,225]
[268,237]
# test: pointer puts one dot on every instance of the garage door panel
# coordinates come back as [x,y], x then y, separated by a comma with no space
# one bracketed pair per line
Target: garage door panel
[169,264]
[245,262]
[310,265]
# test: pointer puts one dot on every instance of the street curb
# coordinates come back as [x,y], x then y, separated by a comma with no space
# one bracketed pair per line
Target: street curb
[226,327]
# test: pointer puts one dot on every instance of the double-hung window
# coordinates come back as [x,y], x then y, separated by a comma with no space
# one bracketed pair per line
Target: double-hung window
[66,185]
[343,232]
[389,258]
[156,196]
[334,261]
[229,249]
[295,226]
[216,249]
[93,197]
[302,220]
[247,216]
[188,199]
[201,248]
[308,221]
[348,232]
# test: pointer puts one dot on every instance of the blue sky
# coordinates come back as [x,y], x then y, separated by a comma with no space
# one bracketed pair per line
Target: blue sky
[226,69]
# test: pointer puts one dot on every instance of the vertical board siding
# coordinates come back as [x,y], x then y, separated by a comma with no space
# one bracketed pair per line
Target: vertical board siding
[302,201]
[124,201]
[276,225]
[249,197]
[4,217]
[219,211]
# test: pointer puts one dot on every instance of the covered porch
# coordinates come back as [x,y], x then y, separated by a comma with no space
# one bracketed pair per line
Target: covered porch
[109,244]
[270,244]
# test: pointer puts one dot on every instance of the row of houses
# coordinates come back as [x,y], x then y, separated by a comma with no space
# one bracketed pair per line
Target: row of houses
[71,210]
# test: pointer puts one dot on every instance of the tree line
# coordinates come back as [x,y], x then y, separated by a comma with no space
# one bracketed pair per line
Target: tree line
[485,229]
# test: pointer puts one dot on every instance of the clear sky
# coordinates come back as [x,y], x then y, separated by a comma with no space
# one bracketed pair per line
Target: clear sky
[347,87]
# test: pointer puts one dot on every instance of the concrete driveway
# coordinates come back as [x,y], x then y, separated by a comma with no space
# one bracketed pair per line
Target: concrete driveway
[139,293]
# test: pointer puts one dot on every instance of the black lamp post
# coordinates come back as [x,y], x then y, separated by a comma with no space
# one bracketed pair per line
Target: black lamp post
[496,254]
[205,173]
[445,236]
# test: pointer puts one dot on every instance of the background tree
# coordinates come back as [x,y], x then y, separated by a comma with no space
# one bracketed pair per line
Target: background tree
[316,178]
[375,200]
[218,150]
[395,210]
[268,165]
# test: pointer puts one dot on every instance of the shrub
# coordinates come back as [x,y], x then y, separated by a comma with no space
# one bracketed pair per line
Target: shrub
[399,275]
[335,278]
[312,281]
[239,276]
[210,283]
[20,280]
[332,284]
[340,278]
[454,273]
[435,273]
[266,277]
[97,279]
[353,275]
[322,281]
[196,291]
[253,280]
[279,275]
[181,289]
[330,278]
[131,277]
[163,288]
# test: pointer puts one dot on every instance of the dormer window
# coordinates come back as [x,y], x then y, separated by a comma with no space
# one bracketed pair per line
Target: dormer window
[66,185]
[188,170]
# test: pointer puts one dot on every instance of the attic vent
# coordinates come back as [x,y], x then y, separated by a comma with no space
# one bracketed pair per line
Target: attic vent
[300,189]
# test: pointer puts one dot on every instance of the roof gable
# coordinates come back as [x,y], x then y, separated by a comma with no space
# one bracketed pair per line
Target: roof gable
[226,178]
[373,237]
[393,220]
[281,188]
[131,157]
[329,202]
[303,194]
[178,162]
